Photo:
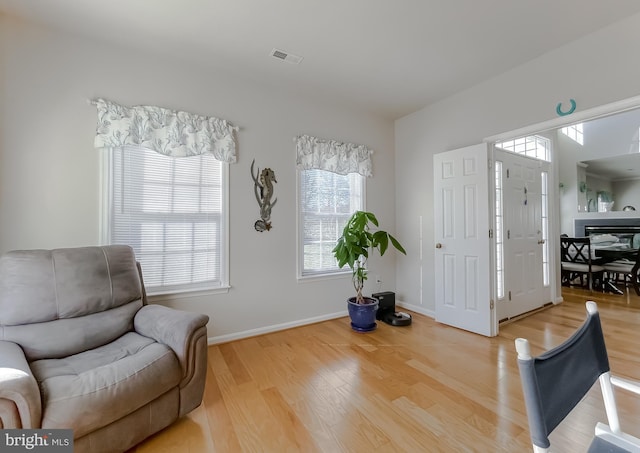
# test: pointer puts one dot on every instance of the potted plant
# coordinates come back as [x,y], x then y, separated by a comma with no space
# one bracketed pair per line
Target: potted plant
[353,249]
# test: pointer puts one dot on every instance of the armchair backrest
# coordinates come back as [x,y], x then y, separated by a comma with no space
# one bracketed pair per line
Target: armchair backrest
[54,303]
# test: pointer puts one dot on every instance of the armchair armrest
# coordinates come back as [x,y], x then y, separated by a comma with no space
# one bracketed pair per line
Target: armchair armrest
[180,330]
[20,403]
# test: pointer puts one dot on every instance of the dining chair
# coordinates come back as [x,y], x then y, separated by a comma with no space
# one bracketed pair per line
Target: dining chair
[625,271]
[556,381]
[577,262]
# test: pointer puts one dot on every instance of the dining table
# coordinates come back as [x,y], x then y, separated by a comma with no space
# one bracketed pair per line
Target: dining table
[607,253]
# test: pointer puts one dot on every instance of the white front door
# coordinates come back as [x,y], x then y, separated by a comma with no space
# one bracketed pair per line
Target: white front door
[462,245]
[524,247]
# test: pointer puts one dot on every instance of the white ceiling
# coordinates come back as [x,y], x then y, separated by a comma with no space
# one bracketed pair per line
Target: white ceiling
[391,57]
[618,168]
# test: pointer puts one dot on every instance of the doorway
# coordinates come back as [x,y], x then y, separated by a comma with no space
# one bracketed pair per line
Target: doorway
[517,279]
[558,189]
[521,234]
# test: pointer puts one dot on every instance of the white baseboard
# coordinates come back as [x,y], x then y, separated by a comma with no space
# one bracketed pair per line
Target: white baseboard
[273,328]
[303,322]
[417,309]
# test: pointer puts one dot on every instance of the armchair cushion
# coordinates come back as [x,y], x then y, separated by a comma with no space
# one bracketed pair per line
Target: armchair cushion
[64,337]
[45,285]
[94,388]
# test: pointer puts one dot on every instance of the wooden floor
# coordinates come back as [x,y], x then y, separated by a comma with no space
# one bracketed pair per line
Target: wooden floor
[426,387]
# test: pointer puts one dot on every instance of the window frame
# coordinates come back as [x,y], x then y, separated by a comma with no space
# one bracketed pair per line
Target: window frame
[160,293]
[329,274]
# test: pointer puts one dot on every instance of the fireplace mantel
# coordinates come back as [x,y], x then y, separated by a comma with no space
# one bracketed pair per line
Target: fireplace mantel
[612,223]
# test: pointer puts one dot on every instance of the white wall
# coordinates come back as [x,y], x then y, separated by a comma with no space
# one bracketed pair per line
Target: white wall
[570,175]
[627,193]
[594,70]
[49,170]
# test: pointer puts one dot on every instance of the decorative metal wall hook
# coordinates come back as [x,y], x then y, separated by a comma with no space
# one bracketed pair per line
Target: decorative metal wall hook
[561,112]
[263,190]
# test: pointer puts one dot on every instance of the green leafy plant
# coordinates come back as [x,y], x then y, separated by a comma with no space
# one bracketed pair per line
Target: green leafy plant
[356,242]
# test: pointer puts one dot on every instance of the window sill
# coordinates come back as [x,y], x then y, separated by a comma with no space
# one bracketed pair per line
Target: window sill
[319,277]
[158,297]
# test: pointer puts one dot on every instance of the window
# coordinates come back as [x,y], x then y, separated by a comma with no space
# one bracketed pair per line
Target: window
[330,188]
[532,146]
[326,200]
[546,271]
[574,132]
[499,214]
[173,212]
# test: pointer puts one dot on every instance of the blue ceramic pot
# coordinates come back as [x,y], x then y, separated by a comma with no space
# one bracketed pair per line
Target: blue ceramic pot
[363,316]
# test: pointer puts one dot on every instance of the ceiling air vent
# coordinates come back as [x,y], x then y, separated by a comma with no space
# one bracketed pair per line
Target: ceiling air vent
[284,56]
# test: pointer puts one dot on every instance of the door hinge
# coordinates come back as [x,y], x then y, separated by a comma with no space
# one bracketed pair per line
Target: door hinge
[490,233]
[491,305]
[508,234]
[509,295]
[507,172]
[489,163]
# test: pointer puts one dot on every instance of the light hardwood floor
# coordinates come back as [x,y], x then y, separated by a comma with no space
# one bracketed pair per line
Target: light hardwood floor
[427,387]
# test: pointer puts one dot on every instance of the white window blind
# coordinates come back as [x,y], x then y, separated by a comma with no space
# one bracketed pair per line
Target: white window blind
[326,201]
[173,212]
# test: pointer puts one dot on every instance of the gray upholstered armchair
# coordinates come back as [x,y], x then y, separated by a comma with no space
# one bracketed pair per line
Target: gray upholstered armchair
[80,349]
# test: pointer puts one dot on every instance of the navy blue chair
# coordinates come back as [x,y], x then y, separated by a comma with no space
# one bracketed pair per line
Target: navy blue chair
[556,381]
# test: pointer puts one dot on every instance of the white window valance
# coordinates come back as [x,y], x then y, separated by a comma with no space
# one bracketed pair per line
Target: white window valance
[169,132]
[333,156]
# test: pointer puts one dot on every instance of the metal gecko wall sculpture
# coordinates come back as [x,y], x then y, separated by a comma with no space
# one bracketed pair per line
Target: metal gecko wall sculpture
[263,189]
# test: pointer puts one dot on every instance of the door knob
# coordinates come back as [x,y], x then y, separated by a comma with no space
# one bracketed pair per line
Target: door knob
[541,241]
[438,245]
